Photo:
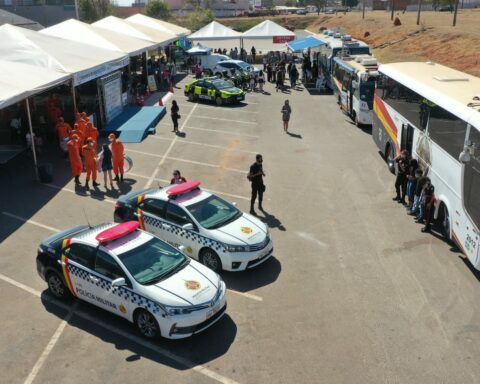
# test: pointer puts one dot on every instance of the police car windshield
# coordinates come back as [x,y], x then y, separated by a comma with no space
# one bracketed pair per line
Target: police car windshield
[213,212]
[221,84]
[244,66]
[152,261]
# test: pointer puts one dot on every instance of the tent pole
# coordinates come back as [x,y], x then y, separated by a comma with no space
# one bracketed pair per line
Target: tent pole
[32,139]
[74,101]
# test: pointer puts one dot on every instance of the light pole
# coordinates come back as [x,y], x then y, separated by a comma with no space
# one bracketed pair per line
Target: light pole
[363,9]
[455,14]
[419,8]
[393,9]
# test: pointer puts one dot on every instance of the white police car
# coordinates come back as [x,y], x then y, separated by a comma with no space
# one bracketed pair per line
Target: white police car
[212,230]
[135,275]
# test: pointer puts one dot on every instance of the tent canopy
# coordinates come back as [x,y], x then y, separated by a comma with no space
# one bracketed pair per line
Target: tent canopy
[267,28]
[160,25]
[19,81]
[199,49]
[102,38]
[304,43]
[84,61]
[215,31]
[138,31]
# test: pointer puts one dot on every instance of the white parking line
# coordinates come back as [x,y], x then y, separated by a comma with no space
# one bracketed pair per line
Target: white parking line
[144,343]
[170,147]
[229,120]
[105,199]
[221,131]
[189,161]
[30,221]
[48,349]
[245,294]
[203,144]
[220,109]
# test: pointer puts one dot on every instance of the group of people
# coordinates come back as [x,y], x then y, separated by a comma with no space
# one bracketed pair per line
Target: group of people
[81,141]
[412,184]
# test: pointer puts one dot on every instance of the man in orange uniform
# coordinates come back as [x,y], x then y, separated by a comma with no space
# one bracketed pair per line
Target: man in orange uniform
[117,151]
[63,131]
[74,157]
[82,125]
[93,133]
[81,137]
[90,155]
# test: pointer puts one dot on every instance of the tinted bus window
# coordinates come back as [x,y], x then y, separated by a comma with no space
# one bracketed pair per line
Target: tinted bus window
[404,101]
[471,180]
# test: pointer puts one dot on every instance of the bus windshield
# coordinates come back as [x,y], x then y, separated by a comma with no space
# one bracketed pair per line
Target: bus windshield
[367,89]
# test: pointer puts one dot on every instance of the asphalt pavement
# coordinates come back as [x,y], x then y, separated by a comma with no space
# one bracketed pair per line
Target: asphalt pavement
[355,293]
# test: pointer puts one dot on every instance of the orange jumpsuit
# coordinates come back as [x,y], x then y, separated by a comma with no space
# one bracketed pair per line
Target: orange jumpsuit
[117,152]
[93,133]
[90,162]
[82,126]
[63,130]
[74,157]
[76,131]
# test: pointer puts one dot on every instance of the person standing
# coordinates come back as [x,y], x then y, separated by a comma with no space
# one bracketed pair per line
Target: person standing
[198,71]
[286,112]
[253,51]
[74,157]
[429,197]
[261,80]
[269,72]
[293,74]
[421,180]
[177,178]
[90,155]
[402,161]
[107,165]
[411,181]
[173,74]
[175,115]
[255,176]
[63,131]
[116,147]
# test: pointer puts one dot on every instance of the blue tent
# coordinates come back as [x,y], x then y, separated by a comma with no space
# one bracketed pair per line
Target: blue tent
[299,45]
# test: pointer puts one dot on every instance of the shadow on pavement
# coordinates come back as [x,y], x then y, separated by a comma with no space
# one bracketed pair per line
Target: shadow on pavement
[271,220]
[260,276]
[295,135]
[187,353]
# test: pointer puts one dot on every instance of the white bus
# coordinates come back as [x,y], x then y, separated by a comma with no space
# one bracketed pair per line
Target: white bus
[434,112]
[354,80]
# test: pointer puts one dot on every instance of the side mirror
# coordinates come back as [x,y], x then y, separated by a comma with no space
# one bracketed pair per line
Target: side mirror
[182,248]
[120,282]
[188,226]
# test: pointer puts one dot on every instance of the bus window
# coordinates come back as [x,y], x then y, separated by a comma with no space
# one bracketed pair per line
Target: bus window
[471,180]
[447,130]
[404,101]
[366,92]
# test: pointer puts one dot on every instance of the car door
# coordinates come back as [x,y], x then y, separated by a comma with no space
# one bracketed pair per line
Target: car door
[211,91]
[197,90]
[151,216]
[77,266]
[112,299]
[177,217]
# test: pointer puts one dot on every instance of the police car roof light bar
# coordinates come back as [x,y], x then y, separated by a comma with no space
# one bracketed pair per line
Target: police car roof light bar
[179,189]
[116,232]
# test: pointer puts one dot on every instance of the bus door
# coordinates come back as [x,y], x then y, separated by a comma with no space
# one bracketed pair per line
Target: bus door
[406,141]
[351,92]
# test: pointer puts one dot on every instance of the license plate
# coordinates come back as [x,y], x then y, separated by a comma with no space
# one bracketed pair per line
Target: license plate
[213,311]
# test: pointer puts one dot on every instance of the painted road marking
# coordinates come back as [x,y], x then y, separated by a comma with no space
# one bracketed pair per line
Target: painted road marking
[189,161]
[170,147]
[221,131]
[246,294]
[30,221]
[203,144]
[144,343]
[229,120]
[220,109]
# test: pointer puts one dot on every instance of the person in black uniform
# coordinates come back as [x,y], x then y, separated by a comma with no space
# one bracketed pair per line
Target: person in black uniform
[403,167]
[175,115]
[256,178]
[429,194]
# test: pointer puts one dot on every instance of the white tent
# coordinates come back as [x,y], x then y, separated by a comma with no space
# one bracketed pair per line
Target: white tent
[216,35]
[19,81]
[267,36]
[138,31]
[160,25]
[101,38]
[84,61]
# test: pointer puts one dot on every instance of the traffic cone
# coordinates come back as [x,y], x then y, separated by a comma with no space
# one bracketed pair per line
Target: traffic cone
[160,102]
[171,89]
[148,92]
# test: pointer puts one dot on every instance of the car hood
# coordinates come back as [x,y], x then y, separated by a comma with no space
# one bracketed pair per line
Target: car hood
[245,230]
[193,285]
[232,90]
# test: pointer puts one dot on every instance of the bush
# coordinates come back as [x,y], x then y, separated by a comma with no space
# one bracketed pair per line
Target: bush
[157,9]
[199,18]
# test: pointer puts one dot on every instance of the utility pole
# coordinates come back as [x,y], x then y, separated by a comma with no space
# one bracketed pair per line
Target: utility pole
[455,14]
[363,9]
[393,9]
[419,9]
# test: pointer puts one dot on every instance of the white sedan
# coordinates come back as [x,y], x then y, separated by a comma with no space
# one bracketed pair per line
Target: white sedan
[135,275]
[208,228]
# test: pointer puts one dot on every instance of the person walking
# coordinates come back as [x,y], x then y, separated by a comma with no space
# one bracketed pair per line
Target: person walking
[88,152]
[255,176]
[116,147]
[107,165]
[286,112]
[175,115]
[74,158]
[261,80]
[402,161]
[177,178]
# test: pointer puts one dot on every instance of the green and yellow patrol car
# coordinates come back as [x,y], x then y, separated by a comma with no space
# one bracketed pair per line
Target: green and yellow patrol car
[215,89]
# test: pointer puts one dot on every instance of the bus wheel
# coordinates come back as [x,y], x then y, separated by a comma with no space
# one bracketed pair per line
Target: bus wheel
[389,158]
[444,222]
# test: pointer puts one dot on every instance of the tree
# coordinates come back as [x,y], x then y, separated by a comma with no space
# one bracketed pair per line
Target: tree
[157,9]
[93,10]
[289,3]
[199,18]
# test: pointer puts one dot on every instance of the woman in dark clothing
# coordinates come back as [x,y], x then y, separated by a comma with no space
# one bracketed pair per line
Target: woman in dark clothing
[175,115]
[107,165]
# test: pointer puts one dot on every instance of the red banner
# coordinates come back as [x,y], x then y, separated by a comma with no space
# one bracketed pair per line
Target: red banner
[282,39]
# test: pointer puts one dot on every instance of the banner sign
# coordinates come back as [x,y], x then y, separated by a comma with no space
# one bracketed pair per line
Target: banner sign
[282,39]
[98,71]
[112,96]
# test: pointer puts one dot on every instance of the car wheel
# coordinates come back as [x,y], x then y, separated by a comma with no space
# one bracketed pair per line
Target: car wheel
[56,286]
[389,158]
[219,100]
[208,72]
[191,97]
[218,74]
[210,259]
[147,324]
